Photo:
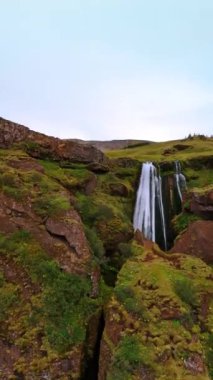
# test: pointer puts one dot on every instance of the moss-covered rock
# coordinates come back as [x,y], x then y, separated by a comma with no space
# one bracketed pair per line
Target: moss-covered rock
[155,326]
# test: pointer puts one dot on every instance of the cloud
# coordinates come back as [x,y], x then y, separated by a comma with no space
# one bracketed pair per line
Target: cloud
[155,107]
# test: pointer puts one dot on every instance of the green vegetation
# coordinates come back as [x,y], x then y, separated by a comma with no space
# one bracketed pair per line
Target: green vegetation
[45,193]
[186,290]
[157,303]
[129,356]
[198,178]
[166,151]
[182,221]
[47,206]
[63,305]
[8,297]
[209,353]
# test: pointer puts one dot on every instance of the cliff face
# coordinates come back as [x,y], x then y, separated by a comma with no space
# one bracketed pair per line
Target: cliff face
[65,234]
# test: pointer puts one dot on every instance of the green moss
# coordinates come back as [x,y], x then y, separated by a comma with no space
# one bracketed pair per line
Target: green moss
[158,302]
[129,355]
[95,242]
[73,176]
[209,353]
[64,305]
[186,290]
[8,297]
[46,206]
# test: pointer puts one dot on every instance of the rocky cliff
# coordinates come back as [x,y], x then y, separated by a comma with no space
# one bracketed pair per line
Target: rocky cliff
[39,145]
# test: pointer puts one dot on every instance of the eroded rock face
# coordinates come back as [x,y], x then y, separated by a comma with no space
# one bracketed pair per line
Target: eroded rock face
[69,227]
[63,238]
[39,145]
[197,241]
[11,132]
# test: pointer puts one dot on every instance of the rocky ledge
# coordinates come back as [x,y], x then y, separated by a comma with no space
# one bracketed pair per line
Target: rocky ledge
[39,145]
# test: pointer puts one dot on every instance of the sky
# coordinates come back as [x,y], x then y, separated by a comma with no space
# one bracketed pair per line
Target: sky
[108,69]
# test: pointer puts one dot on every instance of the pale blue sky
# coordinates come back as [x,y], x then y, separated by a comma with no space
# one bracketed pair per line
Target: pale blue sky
[105,69]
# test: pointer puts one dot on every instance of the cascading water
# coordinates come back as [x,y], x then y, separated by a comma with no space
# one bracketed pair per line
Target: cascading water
[161,208]
[180,180]
[148,196]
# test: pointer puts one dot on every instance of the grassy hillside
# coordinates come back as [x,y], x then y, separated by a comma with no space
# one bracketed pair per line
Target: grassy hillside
[163,151]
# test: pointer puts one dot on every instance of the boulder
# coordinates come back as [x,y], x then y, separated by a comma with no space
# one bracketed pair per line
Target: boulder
[197,241]
[118,189]
[98,168]
[201,204]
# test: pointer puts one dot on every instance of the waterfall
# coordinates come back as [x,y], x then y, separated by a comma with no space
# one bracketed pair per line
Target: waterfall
[180,179]
[149,195]
[161,208]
